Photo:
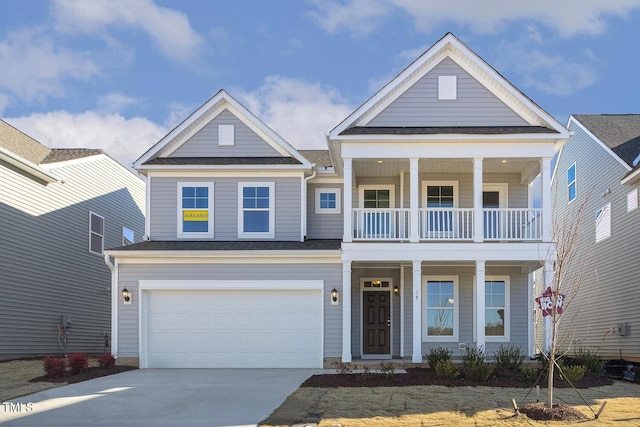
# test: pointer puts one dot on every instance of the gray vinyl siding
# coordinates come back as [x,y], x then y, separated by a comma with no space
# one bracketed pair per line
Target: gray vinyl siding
[45,265]
[519,307]
[323,226]
[164,205]
[205,142]
[517,197]
[609,270]
[130,274]
[475,106]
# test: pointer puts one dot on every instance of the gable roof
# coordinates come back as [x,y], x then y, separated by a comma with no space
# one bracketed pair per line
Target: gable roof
[65,154]
[201,117]
[450,47]
[321,158]
[22,144]
[619,132]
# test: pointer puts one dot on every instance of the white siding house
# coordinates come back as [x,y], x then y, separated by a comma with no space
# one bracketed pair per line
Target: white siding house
[414,229]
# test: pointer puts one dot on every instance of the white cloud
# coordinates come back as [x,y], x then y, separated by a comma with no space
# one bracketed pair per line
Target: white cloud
[169,29]
[114,102]
[359,17]
[567,17]
[123,139]
[299,111]
[34,67]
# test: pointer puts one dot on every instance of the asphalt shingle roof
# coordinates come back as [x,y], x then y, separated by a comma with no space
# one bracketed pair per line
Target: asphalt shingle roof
[309,245]
[434,130]
[221,161]
[321,158]
[21,144]
[64,154]
[619,132]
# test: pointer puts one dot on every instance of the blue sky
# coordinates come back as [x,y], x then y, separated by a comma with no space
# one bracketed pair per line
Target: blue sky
[119,74]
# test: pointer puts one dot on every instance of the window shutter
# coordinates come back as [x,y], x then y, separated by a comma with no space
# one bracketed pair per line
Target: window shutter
[632,200]
[603,223]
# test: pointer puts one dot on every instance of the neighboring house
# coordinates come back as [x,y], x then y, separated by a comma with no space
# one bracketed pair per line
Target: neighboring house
[415,229]
[598,169]
[59,208]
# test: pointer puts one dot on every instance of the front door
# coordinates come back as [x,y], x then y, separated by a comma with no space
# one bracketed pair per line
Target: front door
[377,322]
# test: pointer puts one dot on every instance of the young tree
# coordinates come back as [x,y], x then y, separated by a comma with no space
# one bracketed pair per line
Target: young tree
[570,267]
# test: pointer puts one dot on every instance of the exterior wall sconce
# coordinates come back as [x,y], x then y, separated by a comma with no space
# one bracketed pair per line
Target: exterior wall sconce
[126,296]
[334,297]
[396,290]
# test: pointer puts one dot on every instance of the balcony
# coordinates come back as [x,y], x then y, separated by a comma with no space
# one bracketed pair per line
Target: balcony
[447,224]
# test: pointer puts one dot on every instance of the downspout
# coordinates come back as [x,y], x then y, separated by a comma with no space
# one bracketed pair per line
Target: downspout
[304,202]
[114,305]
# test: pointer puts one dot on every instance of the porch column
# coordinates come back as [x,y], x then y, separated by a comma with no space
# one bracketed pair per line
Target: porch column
[480,321]
[414,235]
[545,181]
[348,203]
[478,227]
[346,311]
[416,356]
[548,320]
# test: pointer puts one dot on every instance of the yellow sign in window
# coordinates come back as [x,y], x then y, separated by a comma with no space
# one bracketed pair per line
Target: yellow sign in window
[195,215]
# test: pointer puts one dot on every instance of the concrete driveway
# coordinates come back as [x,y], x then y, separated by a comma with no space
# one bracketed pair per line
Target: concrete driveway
[160,397]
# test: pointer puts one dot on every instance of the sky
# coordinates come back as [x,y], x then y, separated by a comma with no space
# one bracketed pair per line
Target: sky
[119,74]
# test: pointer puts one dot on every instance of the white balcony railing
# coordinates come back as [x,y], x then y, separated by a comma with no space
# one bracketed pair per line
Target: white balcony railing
[452,224]
[512,224]
[446,224]
[381,224]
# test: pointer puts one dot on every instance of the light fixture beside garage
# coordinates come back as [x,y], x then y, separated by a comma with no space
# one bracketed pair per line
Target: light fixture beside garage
[126,296]
[334,297]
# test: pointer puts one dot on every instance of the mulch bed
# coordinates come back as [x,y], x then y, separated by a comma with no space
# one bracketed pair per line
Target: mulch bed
[424,376]
[541,412]
[87,374]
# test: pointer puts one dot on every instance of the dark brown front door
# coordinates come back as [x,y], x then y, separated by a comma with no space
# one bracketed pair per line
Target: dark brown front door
[377,322]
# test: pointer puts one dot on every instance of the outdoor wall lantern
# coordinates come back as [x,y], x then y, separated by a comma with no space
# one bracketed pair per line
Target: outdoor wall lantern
[334,296]
[396,290]
[126,296]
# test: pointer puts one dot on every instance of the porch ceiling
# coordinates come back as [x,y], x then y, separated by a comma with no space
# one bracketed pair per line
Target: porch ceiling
[387,167]
[521,266]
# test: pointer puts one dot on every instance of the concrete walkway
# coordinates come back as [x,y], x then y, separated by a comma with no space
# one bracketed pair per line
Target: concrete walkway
[160,397]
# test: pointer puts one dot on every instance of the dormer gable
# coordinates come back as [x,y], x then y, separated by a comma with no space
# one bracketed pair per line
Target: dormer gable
[448,86]
[221,133]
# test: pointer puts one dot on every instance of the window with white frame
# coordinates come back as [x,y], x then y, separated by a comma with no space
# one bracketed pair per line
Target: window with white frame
[256,213]
[603,222]
[632,200]
[128,236]
[496,308]
[195,210]
[96,233]
[328,200]
[440,309]
[571,182]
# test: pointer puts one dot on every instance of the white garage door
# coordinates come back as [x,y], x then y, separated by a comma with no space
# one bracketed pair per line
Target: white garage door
[232,328]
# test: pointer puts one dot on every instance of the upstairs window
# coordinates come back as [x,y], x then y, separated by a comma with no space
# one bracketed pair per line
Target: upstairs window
[328,200]
[256,216]
[96,233]
[603,222]
[195,210]
[571,181]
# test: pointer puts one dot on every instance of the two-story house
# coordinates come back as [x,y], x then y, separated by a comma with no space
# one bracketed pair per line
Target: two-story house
[59,210]
[415,229]
[598,171]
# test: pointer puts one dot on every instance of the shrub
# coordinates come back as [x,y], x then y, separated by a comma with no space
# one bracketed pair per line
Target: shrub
[437,354]
[387,368]
[589,359]
[446,369]
[480,372]
[573,373]
[530,376]
[54,367]
[78,362]
[106,361]
[509,358]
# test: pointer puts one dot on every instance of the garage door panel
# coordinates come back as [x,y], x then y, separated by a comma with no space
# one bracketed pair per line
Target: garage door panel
[239,328]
